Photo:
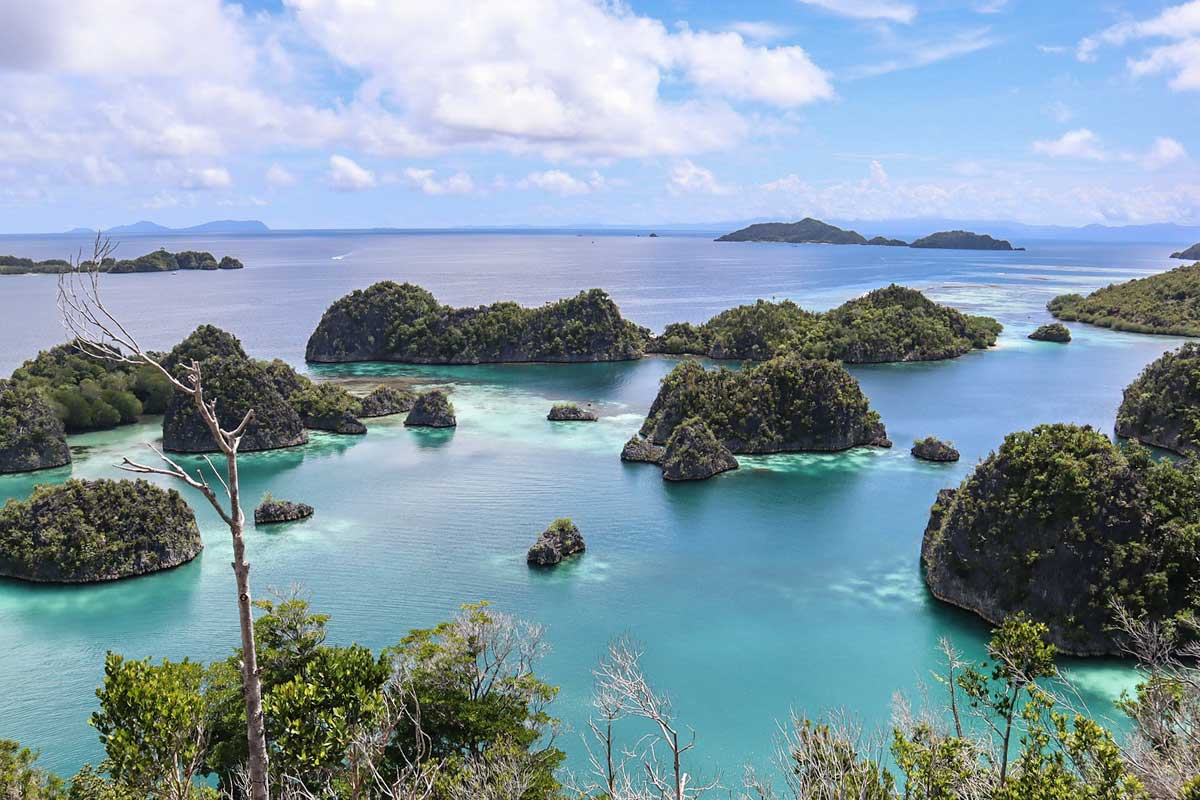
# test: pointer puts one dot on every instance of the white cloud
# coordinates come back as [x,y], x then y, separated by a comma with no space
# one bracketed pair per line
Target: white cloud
[890,10]
[760,31]
[99,171]
[1053,49]
[561,78]
[1165,151]
[1086,145]
[427,182]
[1081,143]
[921,54]
[1180,58]
[878,174]
[347,176]
[689,177]
[279,176]
[207,178]
[555,181]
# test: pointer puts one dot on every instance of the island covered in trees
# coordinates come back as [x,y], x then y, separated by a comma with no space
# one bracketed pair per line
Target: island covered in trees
[102,530]
[1191,254]
[405,323]
[158,261]
[890,324]
[786,404]
[1063,525]
[31,434]
[814,231]
[1162,405]
[1166,303]
[78,392]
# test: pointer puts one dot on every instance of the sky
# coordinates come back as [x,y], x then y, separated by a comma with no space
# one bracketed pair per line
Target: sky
[409,113]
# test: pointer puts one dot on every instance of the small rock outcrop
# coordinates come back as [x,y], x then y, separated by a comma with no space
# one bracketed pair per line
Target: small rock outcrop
[641,449]
[933,449]
[693,453]
[271,511]
[558,541]
[102,530]
[344,422]
[1162,405]
[571,412]
[1054,332]
[384,400]
[31,434]
[432,409]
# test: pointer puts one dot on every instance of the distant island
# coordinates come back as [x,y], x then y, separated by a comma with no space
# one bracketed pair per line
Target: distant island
[1191,254]
[158,261]
[814,231]
[145,227]
[962,240]
[1167,303]
[806,231]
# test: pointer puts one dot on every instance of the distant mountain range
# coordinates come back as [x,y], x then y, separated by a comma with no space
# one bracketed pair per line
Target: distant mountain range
[898,228]
[145,227]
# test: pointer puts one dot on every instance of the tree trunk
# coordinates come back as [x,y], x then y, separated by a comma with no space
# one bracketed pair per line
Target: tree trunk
[256,733]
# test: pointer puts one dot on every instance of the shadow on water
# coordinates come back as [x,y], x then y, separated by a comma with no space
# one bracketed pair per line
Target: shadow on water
[431,438]
[84,609]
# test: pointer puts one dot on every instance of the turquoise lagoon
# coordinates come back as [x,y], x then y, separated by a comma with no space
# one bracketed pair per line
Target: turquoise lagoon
[792,583]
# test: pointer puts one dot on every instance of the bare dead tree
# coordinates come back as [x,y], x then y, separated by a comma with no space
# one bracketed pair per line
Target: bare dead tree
[96,332]
[1163,749]
[621,681]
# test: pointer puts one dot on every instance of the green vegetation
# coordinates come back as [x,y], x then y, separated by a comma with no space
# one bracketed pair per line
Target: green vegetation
[202,344]
[890,324]
[31,434]
[468,684]
[1166,303]
[14,265]
[158,261]
[785,404]
[403,322]
[1054,332]
[961,240]
[237,385]
[83,531]
[1063,525]
[90,394]
[456,712]
[693,453]
[1162,406]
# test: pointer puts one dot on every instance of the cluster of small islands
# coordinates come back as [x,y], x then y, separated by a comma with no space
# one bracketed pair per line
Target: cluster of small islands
[1059,522]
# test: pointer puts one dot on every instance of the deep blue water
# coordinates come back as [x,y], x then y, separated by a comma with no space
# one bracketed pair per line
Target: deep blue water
[791,583]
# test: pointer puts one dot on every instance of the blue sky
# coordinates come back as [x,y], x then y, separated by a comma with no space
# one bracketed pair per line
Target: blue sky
[358,113]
